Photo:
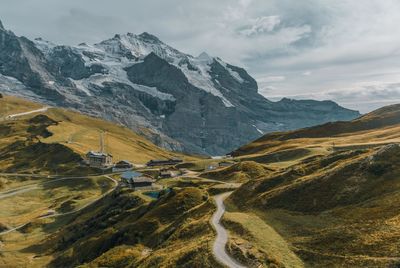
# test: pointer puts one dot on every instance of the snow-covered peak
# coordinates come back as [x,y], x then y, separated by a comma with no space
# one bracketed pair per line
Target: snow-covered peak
[148,37]
[139,46]
[123,50]
[233,73]
[45,46]
[204,57]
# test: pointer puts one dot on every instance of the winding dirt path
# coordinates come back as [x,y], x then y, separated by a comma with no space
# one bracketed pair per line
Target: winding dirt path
[222,235]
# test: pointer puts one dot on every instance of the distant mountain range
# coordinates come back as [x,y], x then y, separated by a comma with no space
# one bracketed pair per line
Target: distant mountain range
[194,104]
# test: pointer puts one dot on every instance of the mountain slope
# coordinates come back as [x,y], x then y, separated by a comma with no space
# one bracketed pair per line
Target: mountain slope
[376,128]
[197,104]
[332,193]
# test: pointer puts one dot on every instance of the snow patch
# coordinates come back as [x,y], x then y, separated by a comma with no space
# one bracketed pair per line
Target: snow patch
[258,130]
[45,46]
[80,85]
[115,66]
[234,74]
[123,51]
[140,47]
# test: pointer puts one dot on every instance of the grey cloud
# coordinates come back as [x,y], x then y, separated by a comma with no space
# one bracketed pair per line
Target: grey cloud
[316,45]
[260,25]
[85,26]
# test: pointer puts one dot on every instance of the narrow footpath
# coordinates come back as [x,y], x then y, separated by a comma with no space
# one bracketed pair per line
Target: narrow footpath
[41,110]
[222,235]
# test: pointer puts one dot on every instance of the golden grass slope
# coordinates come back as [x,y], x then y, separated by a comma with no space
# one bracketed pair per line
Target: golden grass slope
[334,195]
[340,210]
[239,172]
[284,149]
[77,132]
[82,134]
[13,105]
[125,230]
[257,244]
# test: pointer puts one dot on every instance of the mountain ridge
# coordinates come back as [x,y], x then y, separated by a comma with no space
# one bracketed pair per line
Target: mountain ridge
[194,104]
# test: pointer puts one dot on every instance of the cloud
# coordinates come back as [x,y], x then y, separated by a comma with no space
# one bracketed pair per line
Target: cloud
[260,26]
[269,79]
[84,25]
[316,45]
[360,96]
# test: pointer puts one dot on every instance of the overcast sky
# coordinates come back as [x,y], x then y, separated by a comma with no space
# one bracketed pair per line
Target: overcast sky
[344,50]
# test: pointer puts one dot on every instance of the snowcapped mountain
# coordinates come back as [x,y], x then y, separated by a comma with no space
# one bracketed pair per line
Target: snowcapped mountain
[196,104]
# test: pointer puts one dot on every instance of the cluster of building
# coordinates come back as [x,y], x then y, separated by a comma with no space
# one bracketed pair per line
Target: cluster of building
[130,178]
[105,160]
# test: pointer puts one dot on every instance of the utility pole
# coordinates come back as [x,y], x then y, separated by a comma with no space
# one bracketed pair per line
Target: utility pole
[102,141]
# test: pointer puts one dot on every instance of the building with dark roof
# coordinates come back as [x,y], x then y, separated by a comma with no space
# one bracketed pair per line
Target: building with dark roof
[123,165]
[167,162]
[135,179]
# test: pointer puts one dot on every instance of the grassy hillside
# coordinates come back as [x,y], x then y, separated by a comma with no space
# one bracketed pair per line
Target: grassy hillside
[22,151]
[82,133]
[284,149]
[13,105]
[339,210]
[61,138]
[239,172]
[125,230]
[103,227]
[332,195]
[327,196]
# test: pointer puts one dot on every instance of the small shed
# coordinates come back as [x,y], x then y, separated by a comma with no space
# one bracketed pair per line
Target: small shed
[136,179]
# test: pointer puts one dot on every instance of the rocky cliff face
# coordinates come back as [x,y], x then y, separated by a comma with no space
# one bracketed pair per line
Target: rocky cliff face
[196,104]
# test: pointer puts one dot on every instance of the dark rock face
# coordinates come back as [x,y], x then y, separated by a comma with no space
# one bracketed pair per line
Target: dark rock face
[199,120]
[223,79]
[65,63]
[194,104]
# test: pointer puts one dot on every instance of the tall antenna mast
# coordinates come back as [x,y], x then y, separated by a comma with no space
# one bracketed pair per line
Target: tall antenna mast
[102,141]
